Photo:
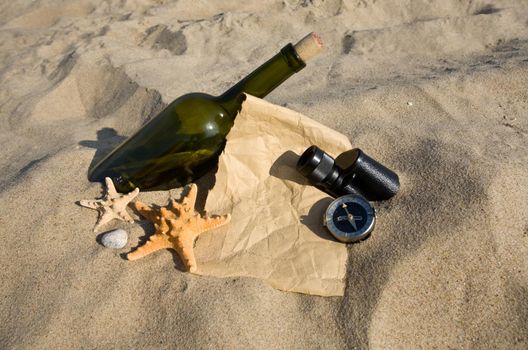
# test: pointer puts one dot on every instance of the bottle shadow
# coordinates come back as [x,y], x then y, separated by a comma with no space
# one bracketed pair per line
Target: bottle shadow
[107,140]
[284,168]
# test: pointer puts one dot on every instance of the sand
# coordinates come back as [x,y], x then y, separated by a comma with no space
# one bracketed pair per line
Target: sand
[436,90]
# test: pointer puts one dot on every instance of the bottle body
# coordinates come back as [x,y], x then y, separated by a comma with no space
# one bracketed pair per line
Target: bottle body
[184,141]
[172,149]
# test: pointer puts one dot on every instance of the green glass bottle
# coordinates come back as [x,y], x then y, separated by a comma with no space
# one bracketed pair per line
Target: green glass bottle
[184,141]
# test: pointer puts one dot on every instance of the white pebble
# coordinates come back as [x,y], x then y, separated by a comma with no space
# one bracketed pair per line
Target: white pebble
[409,103]
[115,239]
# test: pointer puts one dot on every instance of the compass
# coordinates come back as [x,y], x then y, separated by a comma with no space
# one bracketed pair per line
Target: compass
[350,218]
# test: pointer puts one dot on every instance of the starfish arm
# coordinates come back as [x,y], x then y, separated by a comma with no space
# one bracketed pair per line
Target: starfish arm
[164,212]
[124,215]
[92,204]
[155,243]
[110,188]
[209,223]
[176,207]
[185,248]
[97,226]
[104,218]
[145,211]
[162,226]
[129,196]
[190,199]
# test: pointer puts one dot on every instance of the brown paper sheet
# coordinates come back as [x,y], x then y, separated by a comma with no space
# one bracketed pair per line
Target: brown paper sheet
[276,232]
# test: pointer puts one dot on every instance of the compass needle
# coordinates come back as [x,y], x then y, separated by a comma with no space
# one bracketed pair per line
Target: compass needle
[353,223]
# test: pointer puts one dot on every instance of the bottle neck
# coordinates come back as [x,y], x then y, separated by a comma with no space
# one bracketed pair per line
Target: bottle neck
[268,76]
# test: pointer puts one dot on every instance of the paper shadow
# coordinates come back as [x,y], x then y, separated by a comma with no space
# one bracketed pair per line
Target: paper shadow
[107,140]
[205,185]
[314,219]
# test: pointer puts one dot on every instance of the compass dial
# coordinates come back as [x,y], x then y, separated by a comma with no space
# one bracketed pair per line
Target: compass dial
[350,218]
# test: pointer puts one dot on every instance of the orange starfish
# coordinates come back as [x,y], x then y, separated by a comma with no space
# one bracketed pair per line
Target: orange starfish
[176,228]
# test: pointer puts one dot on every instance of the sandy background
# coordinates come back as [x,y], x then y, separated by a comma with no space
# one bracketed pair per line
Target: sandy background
[436,90]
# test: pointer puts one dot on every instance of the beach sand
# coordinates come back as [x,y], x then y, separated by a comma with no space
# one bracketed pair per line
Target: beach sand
[436,90]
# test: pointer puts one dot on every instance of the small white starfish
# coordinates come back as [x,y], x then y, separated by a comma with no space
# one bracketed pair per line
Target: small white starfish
[111,206]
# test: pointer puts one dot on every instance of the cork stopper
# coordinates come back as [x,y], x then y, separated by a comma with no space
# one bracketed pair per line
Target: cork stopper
[309,46]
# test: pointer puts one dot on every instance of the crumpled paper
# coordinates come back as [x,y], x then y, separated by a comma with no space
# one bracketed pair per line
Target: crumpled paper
[276,231]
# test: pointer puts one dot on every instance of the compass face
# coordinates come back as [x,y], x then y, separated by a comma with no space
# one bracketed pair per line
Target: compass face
[350,218]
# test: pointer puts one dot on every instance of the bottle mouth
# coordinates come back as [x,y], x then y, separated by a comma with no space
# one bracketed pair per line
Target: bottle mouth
[294,61]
